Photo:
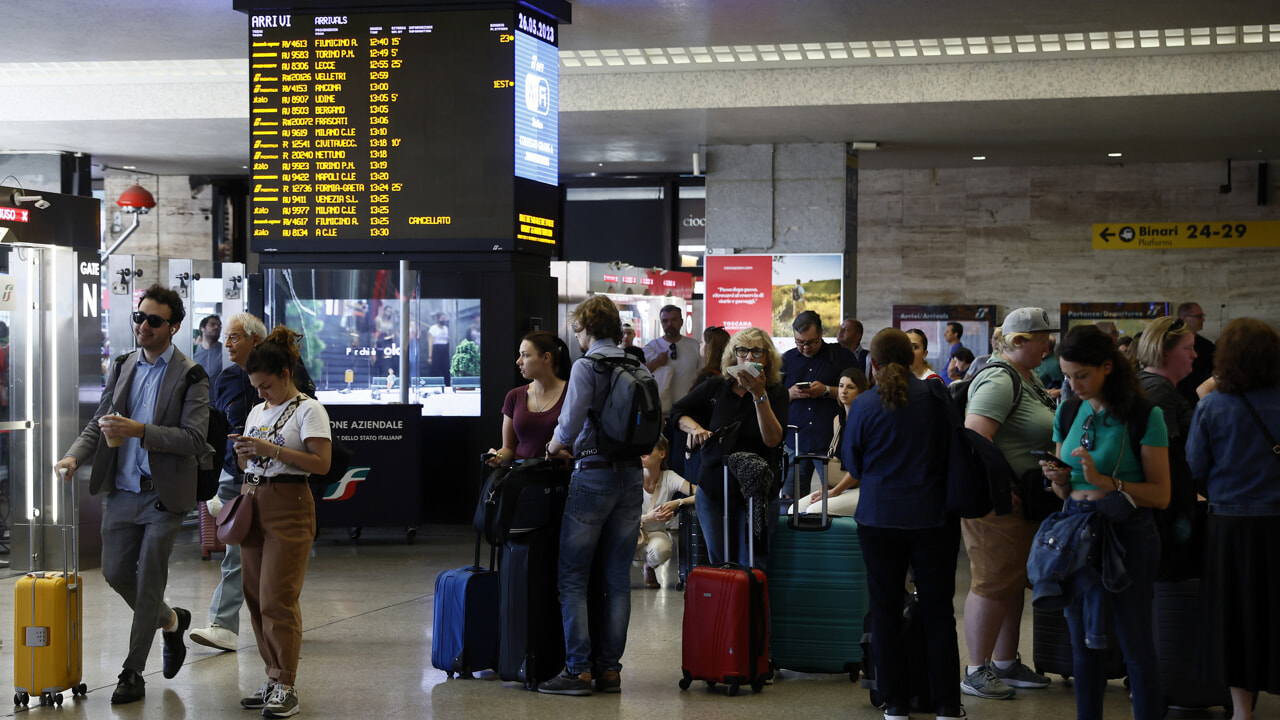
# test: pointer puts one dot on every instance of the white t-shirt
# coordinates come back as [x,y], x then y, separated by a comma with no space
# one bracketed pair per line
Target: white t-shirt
[676,377]
[669,484]
[310,420]
[439,334]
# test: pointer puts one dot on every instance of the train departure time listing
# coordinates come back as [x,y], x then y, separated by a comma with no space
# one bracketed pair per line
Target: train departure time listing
[391,126]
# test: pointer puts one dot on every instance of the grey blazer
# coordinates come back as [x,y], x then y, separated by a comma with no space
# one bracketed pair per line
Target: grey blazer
[175,438]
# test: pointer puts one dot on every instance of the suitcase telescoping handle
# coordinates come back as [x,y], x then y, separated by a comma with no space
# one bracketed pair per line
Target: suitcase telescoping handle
[751,525]
[70,551]
[794,521]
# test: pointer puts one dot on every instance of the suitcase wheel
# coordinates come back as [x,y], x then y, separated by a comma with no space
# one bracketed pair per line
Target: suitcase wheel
[684,683]
[757,686]
[56,698]
[21,699]
[449,674]
[733,688]
[80,690]
[680,585]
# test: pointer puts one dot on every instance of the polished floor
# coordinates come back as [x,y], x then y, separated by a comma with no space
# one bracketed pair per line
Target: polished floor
[366,653]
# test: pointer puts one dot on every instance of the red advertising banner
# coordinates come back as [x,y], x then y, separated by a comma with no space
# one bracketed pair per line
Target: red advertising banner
[739,291]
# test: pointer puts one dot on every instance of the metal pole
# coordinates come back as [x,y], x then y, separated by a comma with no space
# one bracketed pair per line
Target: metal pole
[404,332]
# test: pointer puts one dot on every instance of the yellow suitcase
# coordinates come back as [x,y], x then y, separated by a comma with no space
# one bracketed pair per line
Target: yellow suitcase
[48,620]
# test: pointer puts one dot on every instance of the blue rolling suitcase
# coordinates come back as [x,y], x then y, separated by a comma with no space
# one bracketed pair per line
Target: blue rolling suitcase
[464,637]
[817,592]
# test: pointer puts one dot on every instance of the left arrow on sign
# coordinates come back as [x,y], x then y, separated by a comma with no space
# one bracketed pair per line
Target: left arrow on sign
[1106,234]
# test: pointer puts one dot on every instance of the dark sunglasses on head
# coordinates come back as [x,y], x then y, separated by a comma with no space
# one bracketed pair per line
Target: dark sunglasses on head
[154,321]
[1175,326]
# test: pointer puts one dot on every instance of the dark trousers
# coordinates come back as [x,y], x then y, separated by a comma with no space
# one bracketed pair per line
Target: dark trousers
[136,542]
[930,554]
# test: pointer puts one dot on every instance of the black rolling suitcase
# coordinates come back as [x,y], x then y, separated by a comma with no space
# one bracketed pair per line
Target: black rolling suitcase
[693,549]
[1177,612]
[1051,646]
[531,645]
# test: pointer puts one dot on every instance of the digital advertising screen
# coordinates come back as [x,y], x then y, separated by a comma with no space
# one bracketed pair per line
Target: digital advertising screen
[393,131]
[769,291]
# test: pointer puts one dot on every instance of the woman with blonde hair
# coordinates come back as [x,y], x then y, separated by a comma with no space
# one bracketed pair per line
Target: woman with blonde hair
[286,440]
[896,442]
[748,410]
[1008,405]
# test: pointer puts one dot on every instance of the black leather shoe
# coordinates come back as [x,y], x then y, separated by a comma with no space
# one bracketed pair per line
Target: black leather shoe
[131,688]
[175,651]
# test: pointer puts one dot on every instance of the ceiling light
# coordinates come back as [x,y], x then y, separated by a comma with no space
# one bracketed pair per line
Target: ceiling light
[1114,155]
[128,167]
[979,157]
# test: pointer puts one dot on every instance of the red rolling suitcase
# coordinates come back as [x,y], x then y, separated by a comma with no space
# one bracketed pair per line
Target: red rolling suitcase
[209,542]
[726,622]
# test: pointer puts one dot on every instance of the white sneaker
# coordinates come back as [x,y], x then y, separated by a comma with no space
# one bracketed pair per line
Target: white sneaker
[218,638]
[214,506]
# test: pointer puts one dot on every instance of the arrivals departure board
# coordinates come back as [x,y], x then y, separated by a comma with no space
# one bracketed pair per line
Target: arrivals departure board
[424,131]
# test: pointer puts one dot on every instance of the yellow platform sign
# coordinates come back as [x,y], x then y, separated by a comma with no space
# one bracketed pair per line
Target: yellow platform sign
[1186,235]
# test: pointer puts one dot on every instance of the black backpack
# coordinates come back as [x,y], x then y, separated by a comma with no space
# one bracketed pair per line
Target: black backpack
[629,422]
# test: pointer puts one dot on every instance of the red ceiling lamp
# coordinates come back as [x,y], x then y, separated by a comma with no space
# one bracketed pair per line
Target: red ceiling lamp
[135,201]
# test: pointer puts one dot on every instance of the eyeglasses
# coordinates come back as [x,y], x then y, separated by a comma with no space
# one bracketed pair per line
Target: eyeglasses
[674,355]
[1086,434]
[808,343]
[154,321]
[756,353]
[233,338]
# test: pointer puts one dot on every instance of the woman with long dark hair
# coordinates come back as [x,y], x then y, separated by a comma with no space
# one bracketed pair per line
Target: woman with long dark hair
[896,440]
[1112,476]
[286,440]
[1232,443]
[530,411]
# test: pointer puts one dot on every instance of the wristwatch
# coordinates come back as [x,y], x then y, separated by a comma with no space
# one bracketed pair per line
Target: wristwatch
[826,391]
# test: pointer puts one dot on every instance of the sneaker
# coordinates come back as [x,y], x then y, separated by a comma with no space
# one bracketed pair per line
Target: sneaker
[984,684]
[281,703]
[218,638]
[1021,676]
[258,699]
[567,683]
[610,681]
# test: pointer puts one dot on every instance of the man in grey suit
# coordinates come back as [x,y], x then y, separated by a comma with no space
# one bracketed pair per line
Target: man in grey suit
[144,442]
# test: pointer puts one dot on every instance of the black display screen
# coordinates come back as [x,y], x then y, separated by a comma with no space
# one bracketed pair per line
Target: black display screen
[387,132]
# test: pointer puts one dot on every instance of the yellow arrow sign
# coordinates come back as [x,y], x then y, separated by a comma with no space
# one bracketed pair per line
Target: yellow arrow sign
[1185,235]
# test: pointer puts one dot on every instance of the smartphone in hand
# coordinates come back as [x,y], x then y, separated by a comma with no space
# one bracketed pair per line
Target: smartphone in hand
[1049,458]
[803,385]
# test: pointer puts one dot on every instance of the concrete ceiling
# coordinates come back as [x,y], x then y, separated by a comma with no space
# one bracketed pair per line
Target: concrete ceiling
[173,126]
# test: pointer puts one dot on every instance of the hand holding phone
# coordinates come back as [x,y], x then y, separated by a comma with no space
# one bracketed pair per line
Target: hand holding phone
[803,385]
[1049,458]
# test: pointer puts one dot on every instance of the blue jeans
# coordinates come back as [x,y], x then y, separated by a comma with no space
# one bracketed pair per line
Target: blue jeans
[601,518]
[930,554]
[1131,611]
[224,610]
[796,484]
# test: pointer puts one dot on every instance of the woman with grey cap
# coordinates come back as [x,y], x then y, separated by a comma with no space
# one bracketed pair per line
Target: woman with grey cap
[1008,405]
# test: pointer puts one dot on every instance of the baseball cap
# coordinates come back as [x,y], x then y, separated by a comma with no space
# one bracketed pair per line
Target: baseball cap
[627,326]
[1027,320]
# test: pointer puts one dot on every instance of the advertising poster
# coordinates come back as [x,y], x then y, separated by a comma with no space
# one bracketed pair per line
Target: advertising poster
[382,487]
[768,291]
[1115,319]
[978,321]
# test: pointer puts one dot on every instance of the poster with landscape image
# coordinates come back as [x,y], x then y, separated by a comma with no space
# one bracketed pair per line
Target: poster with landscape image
[806,282]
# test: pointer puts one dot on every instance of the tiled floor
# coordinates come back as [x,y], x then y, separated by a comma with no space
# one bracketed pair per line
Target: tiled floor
[367,654]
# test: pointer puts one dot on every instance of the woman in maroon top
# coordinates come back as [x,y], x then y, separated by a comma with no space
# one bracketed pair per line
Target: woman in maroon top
[531,411]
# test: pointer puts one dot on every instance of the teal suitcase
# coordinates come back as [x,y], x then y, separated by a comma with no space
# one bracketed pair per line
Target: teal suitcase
[817,594]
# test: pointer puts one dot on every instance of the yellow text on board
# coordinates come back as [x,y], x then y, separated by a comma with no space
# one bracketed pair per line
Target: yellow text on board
[1186,235]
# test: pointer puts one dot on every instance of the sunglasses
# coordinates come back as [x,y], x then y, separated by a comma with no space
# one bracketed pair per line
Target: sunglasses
[756,353]
[154,321]
[674,355]
[1175,326]
[1086,434]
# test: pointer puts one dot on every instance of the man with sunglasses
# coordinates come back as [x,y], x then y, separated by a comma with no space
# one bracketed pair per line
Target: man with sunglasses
[811,373]
[1202,368]
[144,442]
[674,359]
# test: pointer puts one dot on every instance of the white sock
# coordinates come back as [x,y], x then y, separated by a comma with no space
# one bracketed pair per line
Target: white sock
[1004,664]
[973,669]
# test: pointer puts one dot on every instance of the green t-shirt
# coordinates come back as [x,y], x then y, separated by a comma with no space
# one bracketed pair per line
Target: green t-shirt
[1022,429]
[1109,434]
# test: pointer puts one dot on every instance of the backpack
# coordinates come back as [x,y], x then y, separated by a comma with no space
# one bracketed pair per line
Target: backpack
[209,463]
[796,293]
[978,476]
[629,422]
[960,388]
[209,467]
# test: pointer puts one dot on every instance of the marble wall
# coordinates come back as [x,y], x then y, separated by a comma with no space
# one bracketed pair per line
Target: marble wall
[1016,236]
